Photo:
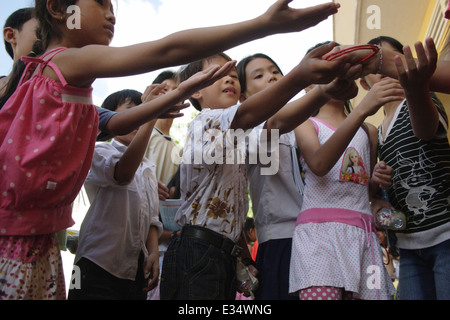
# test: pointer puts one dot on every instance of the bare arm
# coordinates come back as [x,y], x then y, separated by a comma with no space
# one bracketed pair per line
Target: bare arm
[322,158]
[266,103]
[151,266]
[298,111]
[126,121]
[160,105]
[82,66]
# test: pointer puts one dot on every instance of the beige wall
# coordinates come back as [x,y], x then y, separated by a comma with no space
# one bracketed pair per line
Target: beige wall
[406,20]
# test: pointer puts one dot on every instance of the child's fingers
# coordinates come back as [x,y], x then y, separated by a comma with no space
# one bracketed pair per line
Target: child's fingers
[431,51]
[323,50]
[353,73]
[400,68]
[152,91]
[410,62]
[224,70]
[421,55]
[171,115]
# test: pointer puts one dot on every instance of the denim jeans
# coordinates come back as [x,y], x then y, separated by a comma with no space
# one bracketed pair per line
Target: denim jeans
[194,269]
[98,284]
[425,273]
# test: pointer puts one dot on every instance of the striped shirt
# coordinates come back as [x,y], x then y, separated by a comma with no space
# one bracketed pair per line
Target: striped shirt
[421,180]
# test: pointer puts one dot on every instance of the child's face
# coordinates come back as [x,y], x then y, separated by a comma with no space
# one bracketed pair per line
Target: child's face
[224,92]
[25,38]
[96,23]
[170,85]
[260,73]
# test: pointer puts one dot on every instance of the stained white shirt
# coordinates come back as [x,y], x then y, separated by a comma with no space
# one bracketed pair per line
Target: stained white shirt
[115,228]
[213,175]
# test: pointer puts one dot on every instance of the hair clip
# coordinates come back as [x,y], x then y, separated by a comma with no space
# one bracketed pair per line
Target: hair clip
[372,47]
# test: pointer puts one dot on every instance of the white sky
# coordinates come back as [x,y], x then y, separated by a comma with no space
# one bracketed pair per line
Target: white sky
[144,20]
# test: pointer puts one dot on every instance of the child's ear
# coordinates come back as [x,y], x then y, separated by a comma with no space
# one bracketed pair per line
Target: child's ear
[56,10]
[364,84]
[197,95]
[9,35]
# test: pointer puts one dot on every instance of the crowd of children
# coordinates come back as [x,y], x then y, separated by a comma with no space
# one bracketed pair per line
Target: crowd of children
[309,165]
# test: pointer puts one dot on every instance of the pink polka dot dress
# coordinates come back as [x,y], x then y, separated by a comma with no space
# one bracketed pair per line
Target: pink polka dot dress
[334,244]
[47,137]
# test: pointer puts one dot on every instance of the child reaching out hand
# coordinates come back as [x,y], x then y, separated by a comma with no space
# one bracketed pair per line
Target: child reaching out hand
[48,124]
[200,263]
[334,242]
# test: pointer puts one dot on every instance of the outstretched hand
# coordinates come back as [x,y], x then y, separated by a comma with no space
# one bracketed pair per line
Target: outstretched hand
[363,55]
[320,71]
[340,89]
[385,91]
[415,76]
[205,78]
[156,90]
[282,18]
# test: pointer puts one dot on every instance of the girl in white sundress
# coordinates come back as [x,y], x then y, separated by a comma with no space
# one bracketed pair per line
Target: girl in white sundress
[335,252]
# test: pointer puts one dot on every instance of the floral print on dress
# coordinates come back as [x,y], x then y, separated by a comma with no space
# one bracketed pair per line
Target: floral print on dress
[31,268]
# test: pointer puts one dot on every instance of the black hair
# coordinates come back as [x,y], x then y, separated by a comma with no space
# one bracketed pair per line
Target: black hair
[393,42]
[195,67]
[117,98]
[249,224]
[166,75]
[243,64]
[16,21]
[44,33]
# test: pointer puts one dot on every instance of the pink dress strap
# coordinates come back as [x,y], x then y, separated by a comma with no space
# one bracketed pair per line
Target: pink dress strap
[42,61]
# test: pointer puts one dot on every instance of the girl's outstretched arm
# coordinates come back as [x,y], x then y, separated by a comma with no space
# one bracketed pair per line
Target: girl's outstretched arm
[298,111]
[161,106]
[82,66]
[384,63]
[126,121]
[264,104]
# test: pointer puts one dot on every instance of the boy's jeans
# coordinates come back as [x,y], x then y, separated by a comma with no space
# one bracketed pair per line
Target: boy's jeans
[425,273]
[193,269]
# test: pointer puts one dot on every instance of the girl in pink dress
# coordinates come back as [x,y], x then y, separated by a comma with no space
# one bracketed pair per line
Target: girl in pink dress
[335,252]
[48,124]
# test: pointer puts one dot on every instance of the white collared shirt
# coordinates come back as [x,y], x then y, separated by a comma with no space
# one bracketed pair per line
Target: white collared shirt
[276,200]
[115,228]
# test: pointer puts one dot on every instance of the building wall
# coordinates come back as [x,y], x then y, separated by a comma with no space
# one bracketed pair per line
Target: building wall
[408,21]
